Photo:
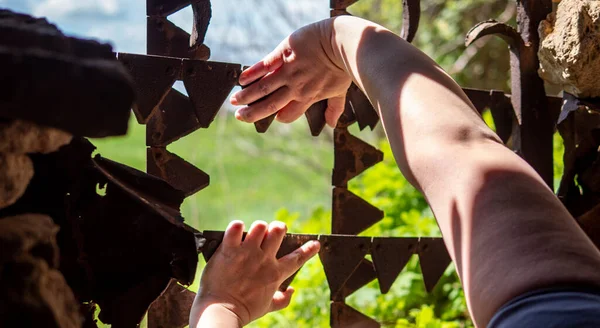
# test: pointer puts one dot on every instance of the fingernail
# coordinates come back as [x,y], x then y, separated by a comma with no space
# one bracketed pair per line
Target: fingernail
[235,224]
[233,100]
[240,114]
[315,244]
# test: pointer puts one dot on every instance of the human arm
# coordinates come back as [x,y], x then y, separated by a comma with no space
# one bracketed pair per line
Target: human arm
[504,228]
[239,284]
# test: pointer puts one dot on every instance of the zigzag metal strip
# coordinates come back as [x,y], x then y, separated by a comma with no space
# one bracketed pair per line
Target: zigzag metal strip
[362,275]
[434,260]
[163,8]
[208,84]
[175,119]
[340,257]
[352,156]
[176,171]
[344,316]
[390,256]
[366,115]
[167,39]
[351,214]
[153,78]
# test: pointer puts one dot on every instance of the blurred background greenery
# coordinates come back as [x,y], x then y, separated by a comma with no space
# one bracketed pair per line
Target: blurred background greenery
[285,174]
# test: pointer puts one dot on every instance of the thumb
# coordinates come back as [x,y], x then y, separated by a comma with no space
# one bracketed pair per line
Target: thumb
[335,108]
[281,299]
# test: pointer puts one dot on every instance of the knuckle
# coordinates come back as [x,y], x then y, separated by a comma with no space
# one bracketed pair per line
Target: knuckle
[272,108]
[263,88]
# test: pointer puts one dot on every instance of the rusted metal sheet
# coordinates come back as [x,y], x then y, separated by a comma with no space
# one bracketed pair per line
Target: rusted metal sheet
[434,260]
[153,77]
[366,115]
[172,308]
[500,107]
[532,139]
[202,12]
[340,256]
[263,125]
[166,39]
[344,316]
[208,84]
[348,118]
[152,192]
[351,214]
[176,171]
[390,256]
[364,274]
[164,8]
[174,119]
[411,14]
[351,157]
[341,4]
[338,12]
[315,115]
[579,187]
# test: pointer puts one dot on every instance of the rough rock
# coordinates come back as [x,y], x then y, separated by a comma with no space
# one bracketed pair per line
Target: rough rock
[16,170]
[569,50]
[22,137]
[33,293]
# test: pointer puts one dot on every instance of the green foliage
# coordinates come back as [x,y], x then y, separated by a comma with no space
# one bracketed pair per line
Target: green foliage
[441,34]
[407,304]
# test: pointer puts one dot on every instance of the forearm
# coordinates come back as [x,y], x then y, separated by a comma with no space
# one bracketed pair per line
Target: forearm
[488,202]
[405,85]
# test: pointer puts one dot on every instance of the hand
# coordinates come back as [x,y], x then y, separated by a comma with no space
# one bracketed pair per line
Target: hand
[243,277]
[301,71]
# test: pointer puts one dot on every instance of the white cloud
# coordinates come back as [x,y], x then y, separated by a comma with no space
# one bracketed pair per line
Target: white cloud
[62,8]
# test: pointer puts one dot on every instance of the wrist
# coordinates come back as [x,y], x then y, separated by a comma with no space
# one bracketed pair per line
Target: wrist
[216,314]
[330,43]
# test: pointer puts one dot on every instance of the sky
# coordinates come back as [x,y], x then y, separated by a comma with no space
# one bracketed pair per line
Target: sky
[241,31]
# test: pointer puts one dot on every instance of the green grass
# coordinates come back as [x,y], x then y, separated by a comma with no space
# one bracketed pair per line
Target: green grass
[252,175]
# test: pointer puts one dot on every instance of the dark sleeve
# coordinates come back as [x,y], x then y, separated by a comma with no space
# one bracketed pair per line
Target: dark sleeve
[551,308]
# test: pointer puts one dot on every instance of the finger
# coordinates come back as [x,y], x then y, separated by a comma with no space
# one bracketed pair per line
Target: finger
[281,299]
[256,234]
[233,234]
[272,241]
[296,259]
[291,112]
[265,107]
[335,108]
[260,89]
[270,63]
